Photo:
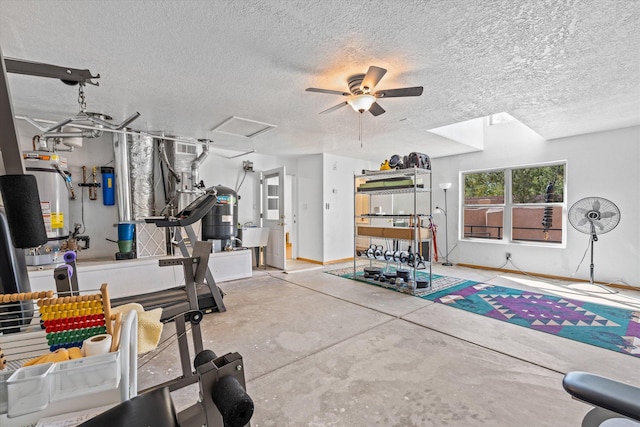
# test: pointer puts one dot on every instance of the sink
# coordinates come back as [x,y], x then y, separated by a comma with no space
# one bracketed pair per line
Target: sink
[255,236]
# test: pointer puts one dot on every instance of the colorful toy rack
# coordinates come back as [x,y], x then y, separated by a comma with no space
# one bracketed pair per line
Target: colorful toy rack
[37,323]
[67,321]
[70,320]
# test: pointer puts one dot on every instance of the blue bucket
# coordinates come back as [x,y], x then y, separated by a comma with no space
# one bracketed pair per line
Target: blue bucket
[125,231]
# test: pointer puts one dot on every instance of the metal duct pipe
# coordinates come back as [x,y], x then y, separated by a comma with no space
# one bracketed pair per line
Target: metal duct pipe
[121,169]
[195,177]
[141,173]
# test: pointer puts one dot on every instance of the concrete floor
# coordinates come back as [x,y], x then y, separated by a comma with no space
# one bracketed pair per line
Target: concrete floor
[320,350]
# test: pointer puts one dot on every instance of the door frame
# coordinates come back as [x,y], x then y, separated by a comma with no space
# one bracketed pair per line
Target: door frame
[276,246]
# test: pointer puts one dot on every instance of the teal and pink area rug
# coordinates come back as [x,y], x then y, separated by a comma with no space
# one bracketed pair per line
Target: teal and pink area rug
[600,325]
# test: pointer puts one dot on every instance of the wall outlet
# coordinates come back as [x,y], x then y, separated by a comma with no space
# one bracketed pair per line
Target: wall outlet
[507,255]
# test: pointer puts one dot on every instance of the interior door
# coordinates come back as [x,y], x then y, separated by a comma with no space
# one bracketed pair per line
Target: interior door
[273,216]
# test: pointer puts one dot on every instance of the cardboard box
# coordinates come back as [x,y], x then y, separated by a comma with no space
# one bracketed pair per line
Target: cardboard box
[402,233]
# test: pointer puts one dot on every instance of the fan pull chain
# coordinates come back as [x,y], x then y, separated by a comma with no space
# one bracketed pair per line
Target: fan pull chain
[360,129]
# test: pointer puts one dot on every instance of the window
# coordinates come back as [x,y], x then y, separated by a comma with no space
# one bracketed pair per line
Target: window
[273,200]
[532,212]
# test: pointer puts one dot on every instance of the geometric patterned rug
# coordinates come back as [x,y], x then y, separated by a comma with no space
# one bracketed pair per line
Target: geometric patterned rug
[600,325]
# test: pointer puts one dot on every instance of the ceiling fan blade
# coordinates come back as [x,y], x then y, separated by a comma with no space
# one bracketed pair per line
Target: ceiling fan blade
[376,109]
[583,221]
[607,214]
[335,107]
[371,79]
[596,205]
[396,93]
[329,91]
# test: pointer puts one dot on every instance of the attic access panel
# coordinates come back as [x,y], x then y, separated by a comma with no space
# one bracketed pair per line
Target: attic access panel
[245,128]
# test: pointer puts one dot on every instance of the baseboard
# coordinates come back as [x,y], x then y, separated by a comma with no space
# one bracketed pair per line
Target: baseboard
[547,276]
[336,261]
[313,261]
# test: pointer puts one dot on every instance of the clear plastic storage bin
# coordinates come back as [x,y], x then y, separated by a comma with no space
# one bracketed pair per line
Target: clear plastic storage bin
[84,376]
[28,389]
[4,395]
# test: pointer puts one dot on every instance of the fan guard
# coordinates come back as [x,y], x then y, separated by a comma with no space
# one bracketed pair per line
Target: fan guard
[594,215]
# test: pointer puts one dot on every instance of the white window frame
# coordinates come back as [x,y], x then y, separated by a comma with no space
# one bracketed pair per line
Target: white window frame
[509,205]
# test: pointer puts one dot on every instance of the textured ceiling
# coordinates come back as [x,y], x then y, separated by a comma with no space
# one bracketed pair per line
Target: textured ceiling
[561,67]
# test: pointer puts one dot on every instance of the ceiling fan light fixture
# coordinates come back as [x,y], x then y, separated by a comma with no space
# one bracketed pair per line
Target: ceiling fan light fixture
[361,103]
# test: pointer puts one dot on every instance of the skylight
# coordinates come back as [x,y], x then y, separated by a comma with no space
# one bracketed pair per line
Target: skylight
[499,118]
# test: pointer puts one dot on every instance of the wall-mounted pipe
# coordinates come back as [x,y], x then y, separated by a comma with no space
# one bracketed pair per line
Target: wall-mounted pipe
[123,189]
[67,180]
[165,160]
[195,177]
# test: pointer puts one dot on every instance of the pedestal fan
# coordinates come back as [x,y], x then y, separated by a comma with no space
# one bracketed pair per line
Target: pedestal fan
[594,215]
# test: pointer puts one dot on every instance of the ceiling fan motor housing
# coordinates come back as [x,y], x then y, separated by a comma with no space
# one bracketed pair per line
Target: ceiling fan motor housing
[354,84]
[361,95]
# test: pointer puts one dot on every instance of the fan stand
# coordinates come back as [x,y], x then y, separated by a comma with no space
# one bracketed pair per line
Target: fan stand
[594,238]
[580,286]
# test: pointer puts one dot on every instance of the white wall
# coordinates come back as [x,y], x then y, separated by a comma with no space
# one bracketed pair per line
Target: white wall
[600,164]
[218,170]
[310,208]
[324,235]
[338,195]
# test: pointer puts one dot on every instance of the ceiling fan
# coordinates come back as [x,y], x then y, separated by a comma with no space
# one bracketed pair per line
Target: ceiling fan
[361,96]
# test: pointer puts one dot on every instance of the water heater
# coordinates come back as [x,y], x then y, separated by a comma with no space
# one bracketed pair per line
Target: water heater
[221,223]
[50,171]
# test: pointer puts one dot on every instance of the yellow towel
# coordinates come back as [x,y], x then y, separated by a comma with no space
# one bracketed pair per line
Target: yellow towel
[60,355]
[149,325]
[75,353]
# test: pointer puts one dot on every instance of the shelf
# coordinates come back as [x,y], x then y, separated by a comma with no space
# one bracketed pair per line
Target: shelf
[393,216]
[395,181]
[394,173]
[411,181]
[401,233]
[391,190]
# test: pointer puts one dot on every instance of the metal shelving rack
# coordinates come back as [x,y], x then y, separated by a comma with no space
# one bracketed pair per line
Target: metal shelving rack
[421,182]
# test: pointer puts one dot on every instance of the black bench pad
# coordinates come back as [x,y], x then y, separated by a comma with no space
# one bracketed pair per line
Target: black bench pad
[606,393]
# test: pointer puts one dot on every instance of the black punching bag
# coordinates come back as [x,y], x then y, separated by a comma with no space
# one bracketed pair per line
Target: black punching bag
[24,214]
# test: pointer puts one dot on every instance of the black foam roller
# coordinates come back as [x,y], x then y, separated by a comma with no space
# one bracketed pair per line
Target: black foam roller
[24,214]
[234,404]
[205,356]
